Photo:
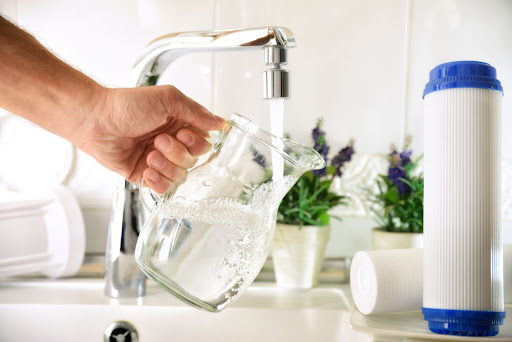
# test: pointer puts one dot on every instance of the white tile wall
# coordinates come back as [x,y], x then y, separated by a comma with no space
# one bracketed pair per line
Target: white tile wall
[450,30]
[361,65]
[347,68]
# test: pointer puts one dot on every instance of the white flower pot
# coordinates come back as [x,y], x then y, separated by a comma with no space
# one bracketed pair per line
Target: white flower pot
[298,255]
[382,239]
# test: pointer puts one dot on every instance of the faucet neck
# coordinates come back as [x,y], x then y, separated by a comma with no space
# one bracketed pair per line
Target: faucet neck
[161,52]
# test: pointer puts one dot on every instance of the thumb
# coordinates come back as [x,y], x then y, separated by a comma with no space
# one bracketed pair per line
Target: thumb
[191,112]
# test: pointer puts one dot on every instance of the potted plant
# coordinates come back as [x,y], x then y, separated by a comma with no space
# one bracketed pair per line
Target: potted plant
[399,203]
[303,219]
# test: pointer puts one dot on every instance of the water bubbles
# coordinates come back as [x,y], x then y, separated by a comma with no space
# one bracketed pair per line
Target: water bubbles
[238,234]
[244,240]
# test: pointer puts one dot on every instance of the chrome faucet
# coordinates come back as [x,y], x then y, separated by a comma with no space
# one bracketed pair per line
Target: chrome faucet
[274,40]
[123,278]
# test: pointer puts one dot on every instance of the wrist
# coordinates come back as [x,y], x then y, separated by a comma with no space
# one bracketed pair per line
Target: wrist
[89,110]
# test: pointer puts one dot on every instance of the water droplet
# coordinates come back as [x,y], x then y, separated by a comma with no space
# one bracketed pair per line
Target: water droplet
[206,183]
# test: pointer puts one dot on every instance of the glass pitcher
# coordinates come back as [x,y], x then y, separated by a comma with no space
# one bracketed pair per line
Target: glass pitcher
[208,236]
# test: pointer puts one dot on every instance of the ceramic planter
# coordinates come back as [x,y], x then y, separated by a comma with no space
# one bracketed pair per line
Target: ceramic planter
[298,255]
[382,239]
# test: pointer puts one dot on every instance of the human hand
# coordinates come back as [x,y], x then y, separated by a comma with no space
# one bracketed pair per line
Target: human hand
[152,132]
[123,129]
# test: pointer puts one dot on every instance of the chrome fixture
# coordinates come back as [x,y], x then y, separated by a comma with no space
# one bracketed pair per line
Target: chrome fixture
[276,80]
[274,40]
[122,276]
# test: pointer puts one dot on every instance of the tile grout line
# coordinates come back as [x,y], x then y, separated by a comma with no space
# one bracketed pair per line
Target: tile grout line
[214,60]
[405,80]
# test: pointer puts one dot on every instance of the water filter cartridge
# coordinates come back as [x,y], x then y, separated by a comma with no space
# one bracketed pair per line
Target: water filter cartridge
[463,247]
[391,280]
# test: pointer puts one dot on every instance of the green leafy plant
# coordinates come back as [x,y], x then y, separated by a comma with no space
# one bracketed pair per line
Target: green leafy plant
[309,200]
[399,199]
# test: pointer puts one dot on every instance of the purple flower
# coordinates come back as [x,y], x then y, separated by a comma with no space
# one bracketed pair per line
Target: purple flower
[397,172]
[320,146]
[343,156]
[395,175]
[317,133]
[405,157]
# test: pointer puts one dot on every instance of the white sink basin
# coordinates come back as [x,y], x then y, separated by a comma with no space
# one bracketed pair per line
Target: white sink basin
[76,310]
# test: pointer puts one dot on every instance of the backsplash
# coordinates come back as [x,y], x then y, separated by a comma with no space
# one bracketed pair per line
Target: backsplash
[361,65]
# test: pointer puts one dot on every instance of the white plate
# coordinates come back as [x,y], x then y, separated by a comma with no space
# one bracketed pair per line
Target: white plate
[31,267]
[8,262]
[410,325]
[11,205]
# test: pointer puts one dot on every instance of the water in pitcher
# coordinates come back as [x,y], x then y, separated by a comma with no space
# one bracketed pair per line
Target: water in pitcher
[215,248]
[208,237]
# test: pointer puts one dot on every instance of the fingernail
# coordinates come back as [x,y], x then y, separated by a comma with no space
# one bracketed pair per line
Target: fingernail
[186,139]
[153,176]
[219,119]
[163,143]
[158,161]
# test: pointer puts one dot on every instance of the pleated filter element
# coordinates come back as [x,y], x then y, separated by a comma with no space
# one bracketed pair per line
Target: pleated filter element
[387,281]
[462,209]
[392,280]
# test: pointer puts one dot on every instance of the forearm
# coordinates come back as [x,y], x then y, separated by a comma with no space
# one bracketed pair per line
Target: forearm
[36,85]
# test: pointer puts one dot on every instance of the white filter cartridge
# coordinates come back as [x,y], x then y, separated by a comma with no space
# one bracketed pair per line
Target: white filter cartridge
[392,280]
[463,251]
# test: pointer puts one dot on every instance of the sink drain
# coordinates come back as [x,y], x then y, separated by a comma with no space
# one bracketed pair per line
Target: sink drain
[121,331]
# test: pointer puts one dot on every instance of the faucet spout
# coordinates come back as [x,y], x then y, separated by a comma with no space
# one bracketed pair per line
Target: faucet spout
[275,40]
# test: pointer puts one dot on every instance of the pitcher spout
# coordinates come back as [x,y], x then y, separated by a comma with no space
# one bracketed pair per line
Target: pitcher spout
[306,157]
[298,155]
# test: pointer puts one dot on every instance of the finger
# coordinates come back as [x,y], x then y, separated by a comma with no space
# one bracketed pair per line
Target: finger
[156,181]
[191,112]
[205,134]
[175,151]
[194,141]
[140,164]
[170,171]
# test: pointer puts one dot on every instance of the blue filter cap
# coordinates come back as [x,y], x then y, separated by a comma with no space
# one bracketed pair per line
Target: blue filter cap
[463,323]
[463,74]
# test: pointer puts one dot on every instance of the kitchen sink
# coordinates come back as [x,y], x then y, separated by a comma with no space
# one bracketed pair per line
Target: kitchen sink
[76,310]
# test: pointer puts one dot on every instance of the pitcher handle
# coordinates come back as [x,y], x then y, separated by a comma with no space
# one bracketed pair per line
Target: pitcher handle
[148,196]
